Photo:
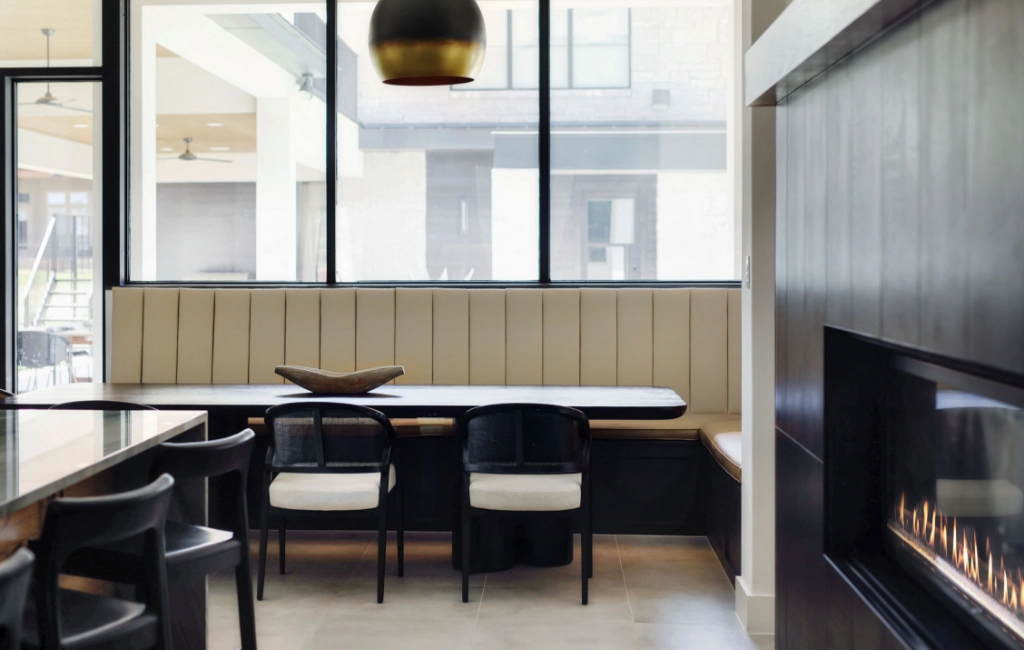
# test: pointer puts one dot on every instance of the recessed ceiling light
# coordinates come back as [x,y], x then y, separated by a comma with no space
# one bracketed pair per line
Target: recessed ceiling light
[214,124]
[220,148]
[80,126]
[166,149]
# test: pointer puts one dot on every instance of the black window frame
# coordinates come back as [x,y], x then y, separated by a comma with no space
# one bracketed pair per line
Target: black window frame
[115,221]
[112,113]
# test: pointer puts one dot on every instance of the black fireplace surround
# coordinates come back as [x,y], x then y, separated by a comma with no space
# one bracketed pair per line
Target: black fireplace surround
[924,508]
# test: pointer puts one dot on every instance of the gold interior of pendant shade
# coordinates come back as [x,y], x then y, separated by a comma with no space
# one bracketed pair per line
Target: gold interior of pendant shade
[432,62]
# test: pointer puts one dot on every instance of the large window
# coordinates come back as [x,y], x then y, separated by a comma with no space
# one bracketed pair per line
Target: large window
[229,155]
[231,168]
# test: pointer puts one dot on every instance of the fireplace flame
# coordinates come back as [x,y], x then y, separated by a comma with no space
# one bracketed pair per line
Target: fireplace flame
[958,546]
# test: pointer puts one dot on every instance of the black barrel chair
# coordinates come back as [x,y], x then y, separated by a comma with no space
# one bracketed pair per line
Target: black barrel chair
[329,457]
[15,576]
[193,552]
[526,459]
[65,619]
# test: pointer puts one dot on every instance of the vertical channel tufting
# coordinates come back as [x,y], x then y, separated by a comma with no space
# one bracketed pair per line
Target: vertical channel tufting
[487,336]
[338,330]
[195,336]
[126,336]
[414,335]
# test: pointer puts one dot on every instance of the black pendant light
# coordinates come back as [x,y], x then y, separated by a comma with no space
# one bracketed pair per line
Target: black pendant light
[427,42]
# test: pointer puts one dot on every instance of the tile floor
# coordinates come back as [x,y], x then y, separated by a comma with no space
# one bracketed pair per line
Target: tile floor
[647,593]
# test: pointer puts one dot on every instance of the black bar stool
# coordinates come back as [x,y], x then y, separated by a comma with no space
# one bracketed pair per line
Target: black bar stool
[527,459]
[15,576]
[100,405]
[329,457]
[65,619]
[193,551]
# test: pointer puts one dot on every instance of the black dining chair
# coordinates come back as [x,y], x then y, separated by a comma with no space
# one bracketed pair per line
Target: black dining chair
[328,457]
[15,576]
[527,459]
[66,619]
[100,405]
[193,551]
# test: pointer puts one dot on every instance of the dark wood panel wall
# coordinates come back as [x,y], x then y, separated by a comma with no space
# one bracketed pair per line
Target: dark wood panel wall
[900,213]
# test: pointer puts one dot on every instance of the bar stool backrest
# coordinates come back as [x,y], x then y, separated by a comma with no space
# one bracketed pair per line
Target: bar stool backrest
[525,439]
[72,524]
[227,457]
[328,437]
[100,405]
[15,576]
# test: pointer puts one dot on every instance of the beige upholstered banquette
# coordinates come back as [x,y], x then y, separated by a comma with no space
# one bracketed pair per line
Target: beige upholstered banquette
[687,339]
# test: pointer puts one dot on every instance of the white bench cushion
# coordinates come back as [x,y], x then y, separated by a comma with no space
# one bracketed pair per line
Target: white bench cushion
[525,493]
[327,492]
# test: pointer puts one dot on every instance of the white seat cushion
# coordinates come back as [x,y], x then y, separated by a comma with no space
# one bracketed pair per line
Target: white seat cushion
[525,493]
[327,491]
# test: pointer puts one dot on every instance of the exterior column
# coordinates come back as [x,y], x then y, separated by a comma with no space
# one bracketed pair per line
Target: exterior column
[276,218]
[755,148]
[143,262]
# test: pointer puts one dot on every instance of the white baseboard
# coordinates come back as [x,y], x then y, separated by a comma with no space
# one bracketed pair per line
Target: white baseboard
[755,611]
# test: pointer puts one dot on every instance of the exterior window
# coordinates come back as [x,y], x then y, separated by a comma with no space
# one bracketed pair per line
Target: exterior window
[641,184]
[229,177]
[54,33]
[229,168]
[435,185]
[589,49]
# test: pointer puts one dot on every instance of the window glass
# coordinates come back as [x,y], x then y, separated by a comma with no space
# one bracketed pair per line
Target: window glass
[229,164]
[494,73]
[641,184]
[437,183]
[600,48]
[44,33]
[58,305]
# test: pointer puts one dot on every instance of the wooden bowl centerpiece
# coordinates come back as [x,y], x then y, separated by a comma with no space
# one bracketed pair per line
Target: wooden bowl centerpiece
[325,382]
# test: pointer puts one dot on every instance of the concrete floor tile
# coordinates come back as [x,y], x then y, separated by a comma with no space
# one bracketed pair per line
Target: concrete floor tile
[655,636]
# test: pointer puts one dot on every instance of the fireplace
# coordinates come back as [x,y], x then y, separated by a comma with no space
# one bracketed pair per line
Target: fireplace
[925,490]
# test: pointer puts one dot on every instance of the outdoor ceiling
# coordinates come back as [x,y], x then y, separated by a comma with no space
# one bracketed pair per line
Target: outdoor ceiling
[238,132]
[60,126]
[22,20]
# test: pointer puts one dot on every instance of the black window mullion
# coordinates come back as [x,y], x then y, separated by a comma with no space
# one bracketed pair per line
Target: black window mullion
[8,236]
[332,141]
[544,139]
[114,167]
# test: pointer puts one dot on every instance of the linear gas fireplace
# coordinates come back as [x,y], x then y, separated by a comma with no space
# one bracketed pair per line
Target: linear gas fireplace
[935,450]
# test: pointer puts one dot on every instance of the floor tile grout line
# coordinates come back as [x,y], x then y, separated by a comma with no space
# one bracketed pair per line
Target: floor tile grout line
[480,605]
[625,586]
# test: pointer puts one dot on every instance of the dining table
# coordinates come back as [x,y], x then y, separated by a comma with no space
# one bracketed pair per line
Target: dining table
[231,405]
[47,454]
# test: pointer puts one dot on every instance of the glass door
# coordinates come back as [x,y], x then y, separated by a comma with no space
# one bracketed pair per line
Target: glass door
[58,306]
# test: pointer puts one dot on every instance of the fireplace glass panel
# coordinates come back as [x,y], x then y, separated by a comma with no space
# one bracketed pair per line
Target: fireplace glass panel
[954,489]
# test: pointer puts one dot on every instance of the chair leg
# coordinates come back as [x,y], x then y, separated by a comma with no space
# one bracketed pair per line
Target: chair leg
[382,549]
[586,549]
[246,609]
[262,568]
[401,531]
[280,544]
[466,521]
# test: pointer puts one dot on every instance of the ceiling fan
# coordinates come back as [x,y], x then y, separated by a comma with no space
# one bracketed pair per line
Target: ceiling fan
[188,156]
[48,99]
